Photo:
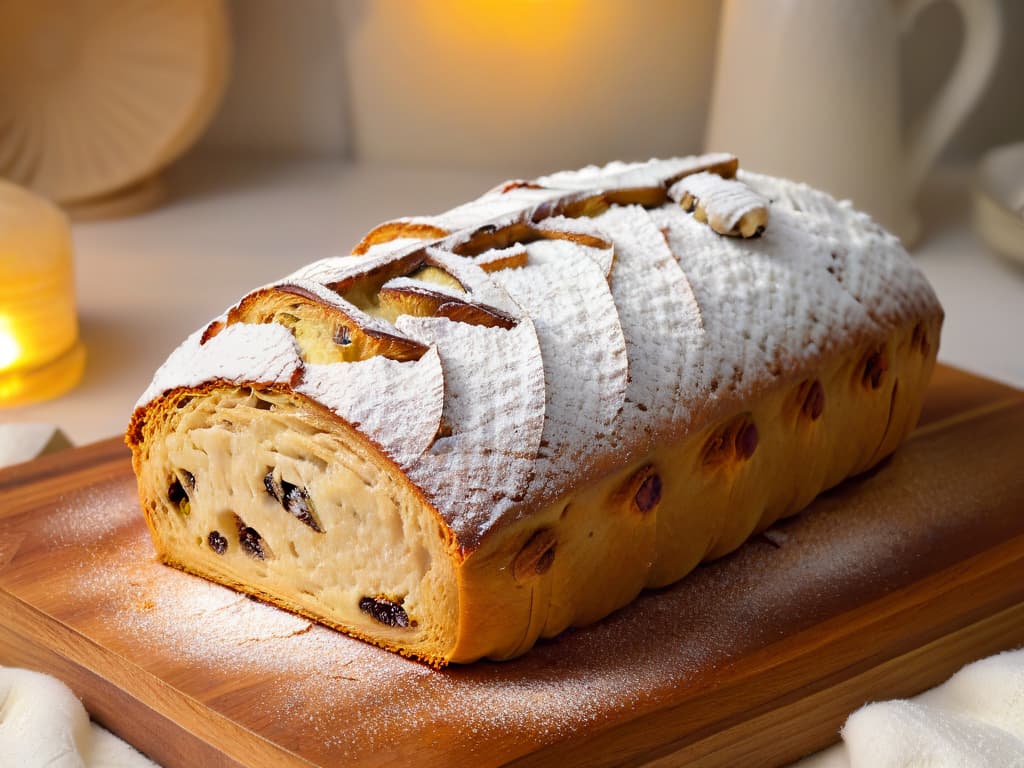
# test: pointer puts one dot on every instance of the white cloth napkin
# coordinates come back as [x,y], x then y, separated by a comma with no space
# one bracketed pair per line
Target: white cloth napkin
[44,725]
[973,720]
[23,442]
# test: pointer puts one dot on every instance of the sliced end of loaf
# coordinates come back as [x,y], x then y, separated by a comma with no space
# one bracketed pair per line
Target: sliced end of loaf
[270,494]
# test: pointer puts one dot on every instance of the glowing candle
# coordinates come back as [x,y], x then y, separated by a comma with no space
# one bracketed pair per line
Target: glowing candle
[40,354]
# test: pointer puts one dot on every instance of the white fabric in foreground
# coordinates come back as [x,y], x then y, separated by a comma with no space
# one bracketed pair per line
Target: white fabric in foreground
[42,723]
[973,720]
[23,442]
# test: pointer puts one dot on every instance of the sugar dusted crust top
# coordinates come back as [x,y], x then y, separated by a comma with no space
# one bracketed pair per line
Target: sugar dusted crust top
[513,348]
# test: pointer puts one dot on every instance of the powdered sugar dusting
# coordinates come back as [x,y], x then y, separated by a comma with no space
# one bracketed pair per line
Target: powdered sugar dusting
[618,175]
[494,409]
[768,305]
[703,318]
[602,256]
[487,208]
[240,354]
[661,323]
[584,355]
[499,255]
[868,262]
[362,393]
[482,287]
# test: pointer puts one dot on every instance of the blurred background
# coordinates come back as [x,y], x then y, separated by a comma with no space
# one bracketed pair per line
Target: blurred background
[524,86]
[204,147]
[161,158]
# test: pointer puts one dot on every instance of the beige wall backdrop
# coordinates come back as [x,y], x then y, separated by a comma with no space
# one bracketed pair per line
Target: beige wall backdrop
[524,86]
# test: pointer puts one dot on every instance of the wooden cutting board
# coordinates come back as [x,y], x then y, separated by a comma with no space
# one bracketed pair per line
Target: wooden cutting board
[890,584]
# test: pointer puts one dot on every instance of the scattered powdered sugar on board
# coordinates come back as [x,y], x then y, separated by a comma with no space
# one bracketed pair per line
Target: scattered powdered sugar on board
[322,693]
[87,514]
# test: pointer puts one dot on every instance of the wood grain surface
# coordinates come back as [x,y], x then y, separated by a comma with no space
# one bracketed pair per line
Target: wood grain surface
[885,587]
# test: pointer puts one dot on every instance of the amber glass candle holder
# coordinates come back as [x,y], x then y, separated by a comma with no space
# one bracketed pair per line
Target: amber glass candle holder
[40,353]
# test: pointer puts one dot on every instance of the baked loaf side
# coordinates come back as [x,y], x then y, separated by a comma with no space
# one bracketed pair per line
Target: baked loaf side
[486,426]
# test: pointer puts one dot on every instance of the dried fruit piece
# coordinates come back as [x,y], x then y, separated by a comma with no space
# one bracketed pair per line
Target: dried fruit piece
[385,611]
[649,493]
[177,494]
[919,339]
[293,498]
[250,540]
[717,449]
[640,493]
[736,440]
[746,440]
[273,486]
[217,542]
[813,403]
[298,503]
[286,319]
[875,366]
[536,556]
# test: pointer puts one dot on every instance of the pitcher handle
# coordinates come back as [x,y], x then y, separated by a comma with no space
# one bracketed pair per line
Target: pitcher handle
[981,41]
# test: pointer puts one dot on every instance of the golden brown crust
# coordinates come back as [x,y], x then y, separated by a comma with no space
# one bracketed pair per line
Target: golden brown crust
[394,230]
[291,304]
[596,547]
[613,537]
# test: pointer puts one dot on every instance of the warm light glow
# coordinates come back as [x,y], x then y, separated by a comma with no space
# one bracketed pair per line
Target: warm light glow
[531,25]
[40,354]
[10,349]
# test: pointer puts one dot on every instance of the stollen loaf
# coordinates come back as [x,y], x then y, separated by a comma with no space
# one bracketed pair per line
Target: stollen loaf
[483,427]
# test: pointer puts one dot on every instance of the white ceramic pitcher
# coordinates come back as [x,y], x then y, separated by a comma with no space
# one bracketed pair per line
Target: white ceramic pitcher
[810,89]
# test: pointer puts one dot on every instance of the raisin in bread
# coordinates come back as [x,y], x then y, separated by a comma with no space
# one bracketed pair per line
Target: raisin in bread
[487,426]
